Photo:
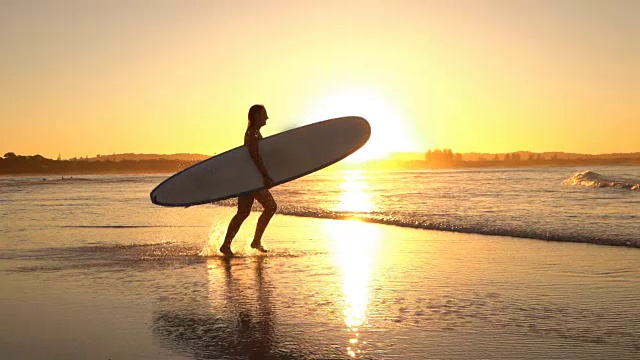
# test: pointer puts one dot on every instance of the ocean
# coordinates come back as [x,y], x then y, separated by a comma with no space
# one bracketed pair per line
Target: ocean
[464,263]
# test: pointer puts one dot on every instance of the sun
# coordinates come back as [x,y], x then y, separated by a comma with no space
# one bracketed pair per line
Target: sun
[388,133]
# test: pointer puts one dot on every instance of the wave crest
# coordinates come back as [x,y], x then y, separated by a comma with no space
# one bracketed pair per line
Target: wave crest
[592,179]
[403,221]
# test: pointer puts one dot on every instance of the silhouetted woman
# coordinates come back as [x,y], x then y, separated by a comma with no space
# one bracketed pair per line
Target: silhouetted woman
[257,119]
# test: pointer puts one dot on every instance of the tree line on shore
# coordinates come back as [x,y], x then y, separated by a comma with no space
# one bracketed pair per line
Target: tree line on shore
[447,158]
[38,164]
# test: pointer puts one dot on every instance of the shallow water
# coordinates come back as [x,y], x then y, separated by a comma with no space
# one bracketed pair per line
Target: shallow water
[90,269]
[349,289]
[538,203]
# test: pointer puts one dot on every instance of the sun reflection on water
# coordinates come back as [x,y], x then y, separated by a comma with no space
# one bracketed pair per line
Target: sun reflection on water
[354,243]
[354,196]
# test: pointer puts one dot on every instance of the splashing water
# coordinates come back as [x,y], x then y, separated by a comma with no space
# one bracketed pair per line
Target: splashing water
[593,179]
[217,232]
[241,243]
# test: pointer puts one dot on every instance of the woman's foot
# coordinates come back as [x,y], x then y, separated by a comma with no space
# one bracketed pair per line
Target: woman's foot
[226,250]
[258,247]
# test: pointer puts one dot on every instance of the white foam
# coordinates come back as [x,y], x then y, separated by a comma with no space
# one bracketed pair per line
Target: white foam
[595,180]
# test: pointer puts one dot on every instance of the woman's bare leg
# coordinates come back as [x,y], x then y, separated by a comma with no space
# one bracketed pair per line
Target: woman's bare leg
[265,199]
[244,209]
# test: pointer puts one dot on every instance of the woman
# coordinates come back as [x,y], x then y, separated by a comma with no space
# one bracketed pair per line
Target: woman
[257,119]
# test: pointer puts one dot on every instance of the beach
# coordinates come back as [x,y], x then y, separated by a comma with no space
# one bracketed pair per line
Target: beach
[381,265]
[450,180]
[329,289]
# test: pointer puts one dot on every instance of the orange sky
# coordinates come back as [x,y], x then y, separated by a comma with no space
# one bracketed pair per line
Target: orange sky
[84,78]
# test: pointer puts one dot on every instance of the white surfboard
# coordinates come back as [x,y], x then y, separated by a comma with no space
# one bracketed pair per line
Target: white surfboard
[287,156]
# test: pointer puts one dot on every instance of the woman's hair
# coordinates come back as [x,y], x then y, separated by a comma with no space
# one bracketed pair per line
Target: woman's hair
[253,112]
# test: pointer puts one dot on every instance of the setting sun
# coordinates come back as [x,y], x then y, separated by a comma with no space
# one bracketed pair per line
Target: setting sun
[388,127]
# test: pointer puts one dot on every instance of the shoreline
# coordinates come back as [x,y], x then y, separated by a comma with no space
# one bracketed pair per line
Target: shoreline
[550,238]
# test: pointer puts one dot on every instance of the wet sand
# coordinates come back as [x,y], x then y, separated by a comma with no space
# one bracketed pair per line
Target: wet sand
[329,289]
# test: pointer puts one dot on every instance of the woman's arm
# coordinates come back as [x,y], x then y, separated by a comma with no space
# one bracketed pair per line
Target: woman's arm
[254,152]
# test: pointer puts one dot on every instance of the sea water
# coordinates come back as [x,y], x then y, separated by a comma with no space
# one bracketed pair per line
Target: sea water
[91,255]
[599,206]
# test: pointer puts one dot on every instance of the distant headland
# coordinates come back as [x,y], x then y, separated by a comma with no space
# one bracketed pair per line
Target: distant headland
[13,164]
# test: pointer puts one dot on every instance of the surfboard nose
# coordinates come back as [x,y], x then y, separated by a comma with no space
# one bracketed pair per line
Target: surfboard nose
[365,125]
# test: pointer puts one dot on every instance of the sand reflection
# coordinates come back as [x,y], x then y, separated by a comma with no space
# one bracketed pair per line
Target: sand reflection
[355,243]
[231,318]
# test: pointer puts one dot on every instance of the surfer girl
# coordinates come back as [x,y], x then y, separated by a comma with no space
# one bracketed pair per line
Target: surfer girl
[257,119]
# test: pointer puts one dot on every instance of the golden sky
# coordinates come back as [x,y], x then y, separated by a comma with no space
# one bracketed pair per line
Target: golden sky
[99,77]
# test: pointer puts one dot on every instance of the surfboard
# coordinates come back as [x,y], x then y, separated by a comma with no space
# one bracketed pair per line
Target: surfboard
[287,156]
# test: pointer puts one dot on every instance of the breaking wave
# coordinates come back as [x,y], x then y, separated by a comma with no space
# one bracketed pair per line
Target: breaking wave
[414,221]
[400,221]
[595,180]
